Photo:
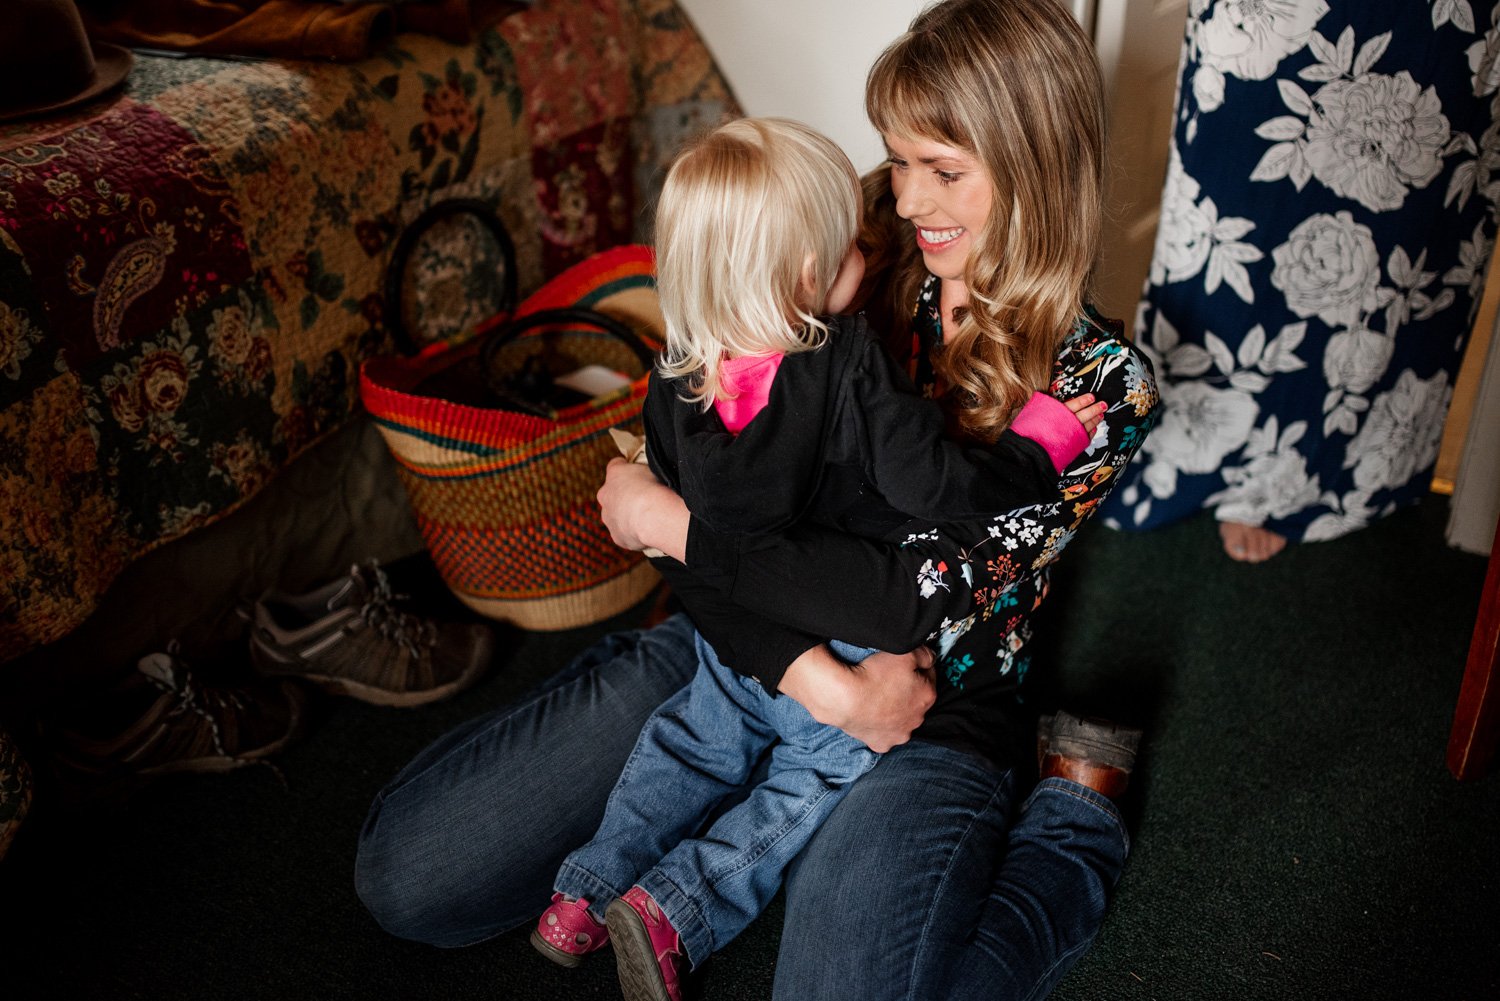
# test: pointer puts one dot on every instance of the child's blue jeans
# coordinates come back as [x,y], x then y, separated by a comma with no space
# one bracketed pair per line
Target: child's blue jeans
[700,747]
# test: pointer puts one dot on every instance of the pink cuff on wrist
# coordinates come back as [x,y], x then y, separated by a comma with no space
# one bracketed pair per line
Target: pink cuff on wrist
[1048,422]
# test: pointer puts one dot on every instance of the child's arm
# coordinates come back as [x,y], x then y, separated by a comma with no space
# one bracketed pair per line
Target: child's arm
[920,472]
[1062,428]
[894,594]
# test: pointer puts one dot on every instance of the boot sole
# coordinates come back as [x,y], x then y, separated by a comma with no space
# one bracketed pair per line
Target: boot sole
[381,696]
[555,954]
[635,956]
[269,666]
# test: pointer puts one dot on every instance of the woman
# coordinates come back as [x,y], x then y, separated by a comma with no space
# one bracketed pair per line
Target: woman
[1310,297]
[992,113]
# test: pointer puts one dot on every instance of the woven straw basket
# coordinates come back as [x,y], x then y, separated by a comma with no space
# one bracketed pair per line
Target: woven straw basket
[505,500]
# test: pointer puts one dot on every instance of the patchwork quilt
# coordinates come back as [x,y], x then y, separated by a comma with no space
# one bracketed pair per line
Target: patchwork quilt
[192,271]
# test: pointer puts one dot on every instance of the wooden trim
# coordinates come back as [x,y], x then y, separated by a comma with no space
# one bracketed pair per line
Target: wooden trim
[1476,488]
[1476,720]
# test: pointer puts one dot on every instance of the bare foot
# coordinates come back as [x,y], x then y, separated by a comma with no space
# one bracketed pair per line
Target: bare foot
[1250,543]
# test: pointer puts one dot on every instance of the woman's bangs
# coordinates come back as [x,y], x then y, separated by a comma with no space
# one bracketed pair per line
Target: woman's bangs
[904,98]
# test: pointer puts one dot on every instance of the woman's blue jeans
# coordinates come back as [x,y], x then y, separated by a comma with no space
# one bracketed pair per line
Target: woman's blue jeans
[929,880]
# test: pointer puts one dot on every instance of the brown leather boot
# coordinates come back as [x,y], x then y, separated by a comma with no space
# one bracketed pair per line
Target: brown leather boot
[1093,752]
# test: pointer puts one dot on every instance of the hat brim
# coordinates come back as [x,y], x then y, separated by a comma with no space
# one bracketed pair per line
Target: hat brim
[112,65]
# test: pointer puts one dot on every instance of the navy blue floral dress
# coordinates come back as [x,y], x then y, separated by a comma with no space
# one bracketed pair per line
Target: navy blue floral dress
[1329,209]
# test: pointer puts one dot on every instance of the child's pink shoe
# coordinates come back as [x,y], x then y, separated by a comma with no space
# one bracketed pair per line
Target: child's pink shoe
[566,931]
[647,949]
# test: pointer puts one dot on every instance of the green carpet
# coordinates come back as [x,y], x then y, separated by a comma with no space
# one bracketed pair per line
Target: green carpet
[1296,835]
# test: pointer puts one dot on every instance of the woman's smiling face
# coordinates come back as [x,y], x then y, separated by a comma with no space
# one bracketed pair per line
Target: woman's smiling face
[945,194]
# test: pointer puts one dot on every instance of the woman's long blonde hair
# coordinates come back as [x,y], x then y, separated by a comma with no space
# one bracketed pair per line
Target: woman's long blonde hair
[753,222]
[1015,83]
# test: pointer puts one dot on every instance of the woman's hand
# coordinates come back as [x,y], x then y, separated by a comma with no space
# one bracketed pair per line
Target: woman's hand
[1088,412]
[878,703]
[642,513]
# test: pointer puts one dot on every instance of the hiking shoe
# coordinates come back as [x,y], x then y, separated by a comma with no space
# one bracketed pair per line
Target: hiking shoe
[648,951]
[350,638]
[163,720]
[566,931]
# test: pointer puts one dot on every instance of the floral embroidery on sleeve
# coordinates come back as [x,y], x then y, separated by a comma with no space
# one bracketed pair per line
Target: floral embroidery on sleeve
[977,568]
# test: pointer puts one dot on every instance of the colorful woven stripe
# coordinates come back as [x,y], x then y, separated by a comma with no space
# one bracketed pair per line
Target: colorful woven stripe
[505,500]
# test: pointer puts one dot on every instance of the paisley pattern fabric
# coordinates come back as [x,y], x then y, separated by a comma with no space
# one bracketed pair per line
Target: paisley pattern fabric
[1329,209]
[191,274]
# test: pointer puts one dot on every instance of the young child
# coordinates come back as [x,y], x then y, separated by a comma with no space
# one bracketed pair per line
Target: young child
[767,407]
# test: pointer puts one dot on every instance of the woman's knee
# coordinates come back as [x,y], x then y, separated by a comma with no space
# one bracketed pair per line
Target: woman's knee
[929,821]
[412,897]
[465,839]
[387,883]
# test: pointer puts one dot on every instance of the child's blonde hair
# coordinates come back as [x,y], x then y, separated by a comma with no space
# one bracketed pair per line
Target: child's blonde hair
[1015,83]
[753,222]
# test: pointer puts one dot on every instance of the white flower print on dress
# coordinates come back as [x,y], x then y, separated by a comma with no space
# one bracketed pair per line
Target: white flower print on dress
[1208,89]
[1355,359]
[1349,513]
[1364,136]
[1182,237]
[1248,38]
[1273,484]
[1374,138]
[1200,425]
[1409,300]
[1402,432]
[1190,235]
[1456,12]
[1329,268]
[1358,357]
[1473,257]
[1484,60]
[1257,357]
[1484,161]
[1386,121]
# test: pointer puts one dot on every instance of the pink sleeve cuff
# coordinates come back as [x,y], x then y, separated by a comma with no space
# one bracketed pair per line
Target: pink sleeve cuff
[1048,422]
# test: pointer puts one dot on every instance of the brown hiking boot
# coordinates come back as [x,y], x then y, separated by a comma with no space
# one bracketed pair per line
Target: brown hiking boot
[350,638]
[163,720]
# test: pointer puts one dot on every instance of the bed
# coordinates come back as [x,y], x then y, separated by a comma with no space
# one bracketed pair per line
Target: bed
[192,272]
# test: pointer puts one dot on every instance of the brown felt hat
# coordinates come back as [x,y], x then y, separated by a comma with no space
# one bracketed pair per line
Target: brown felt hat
[47,62]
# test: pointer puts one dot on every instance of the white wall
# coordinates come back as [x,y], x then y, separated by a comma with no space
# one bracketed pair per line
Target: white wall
[805,59]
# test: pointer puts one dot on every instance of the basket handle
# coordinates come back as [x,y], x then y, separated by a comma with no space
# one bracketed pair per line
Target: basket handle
[575,315]
[395,274]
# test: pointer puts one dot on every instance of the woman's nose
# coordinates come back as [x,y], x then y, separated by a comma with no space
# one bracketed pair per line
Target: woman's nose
[911,197]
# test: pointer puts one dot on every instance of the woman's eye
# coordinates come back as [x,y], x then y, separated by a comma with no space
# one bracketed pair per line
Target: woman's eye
[947,176]
[898,164]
